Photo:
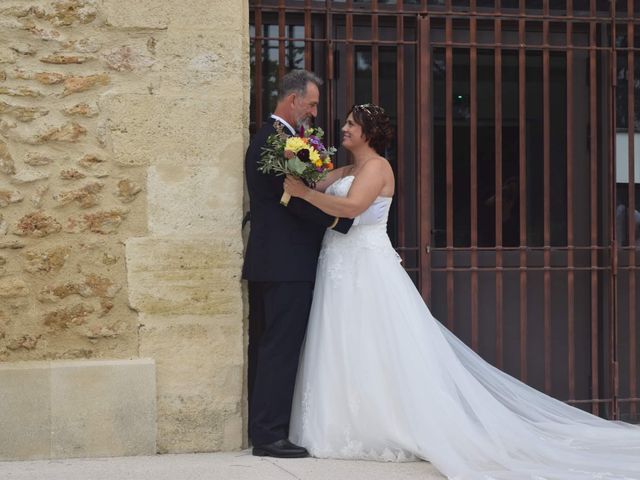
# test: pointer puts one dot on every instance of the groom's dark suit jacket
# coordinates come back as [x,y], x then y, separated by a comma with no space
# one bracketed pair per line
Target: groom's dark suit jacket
[284,242]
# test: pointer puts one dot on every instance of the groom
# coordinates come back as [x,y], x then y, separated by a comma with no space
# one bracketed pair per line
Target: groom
[280,265]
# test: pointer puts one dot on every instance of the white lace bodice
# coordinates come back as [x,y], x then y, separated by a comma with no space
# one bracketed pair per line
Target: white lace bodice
[337,247]
[361,235]
[340,188]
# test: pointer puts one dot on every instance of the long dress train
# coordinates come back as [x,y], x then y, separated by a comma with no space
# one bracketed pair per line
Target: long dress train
[380,378]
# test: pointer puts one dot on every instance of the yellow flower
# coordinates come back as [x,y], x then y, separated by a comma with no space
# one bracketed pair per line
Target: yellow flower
[314,157]
[295,144]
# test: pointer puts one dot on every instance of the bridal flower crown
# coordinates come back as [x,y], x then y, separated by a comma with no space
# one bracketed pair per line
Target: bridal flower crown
[302,155]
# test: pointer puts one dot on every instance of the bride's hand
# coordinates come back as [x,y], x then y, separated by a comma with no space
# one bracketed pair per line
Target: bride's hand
[295,187]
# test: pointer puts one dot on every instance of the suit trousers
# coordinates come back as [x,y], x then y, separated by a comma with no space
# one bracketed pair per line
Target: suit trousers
[278,317]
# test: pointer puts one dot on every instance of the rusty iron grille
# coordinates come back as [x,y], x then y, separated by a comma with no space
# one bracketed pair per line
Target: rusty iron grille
[517,207]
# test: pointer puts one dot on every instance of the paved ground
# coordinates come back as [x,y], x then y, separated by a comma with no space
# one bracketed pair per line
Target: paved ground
[210,466]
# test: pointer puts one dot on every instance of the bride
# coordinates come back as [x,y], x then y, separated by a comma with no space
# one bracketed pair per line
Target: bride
[380,378]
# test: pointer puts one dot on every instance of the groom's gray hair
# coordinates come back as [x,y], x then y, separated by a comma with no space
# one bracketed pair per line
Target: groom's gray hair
[296,81]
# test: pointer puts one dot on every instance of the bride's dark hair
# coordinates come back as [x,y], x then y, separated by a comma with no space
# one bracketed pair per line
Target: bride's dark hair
[375,124]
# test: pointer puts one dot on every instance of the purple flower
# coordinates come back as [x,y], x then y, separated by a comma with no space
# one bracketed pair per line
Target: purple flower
[316,143]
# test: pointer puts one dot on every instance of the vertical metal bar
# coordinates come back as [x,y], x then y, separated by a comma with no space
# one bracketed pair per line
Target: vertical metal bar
[425,145]
[593,193]
[308,43]
[257,74]
[350,80]
[631,114]
[330,90]
[449,165]
[498,193]
[281,38]
[426,163]
[375,66]
[571,362]
[546,85]
[522,160]
[473,142]
[610,172]
[400,133]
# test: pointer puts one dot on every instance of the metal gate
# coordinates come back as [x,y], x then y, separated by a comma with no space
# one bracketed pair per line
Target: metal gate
[516,212]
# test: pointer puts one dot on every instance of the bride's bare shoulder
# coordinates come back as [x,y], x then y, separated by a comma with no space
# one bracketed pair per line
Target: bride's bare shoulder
[380,168]
[379,164]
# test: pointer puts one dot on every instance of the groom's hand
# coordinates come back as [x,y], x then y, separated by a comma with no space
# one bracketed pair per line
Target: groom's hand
[373,215]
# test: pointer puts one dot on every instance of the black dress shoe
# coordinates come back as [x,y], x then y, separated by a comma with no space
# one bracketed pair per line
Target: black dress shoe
[281,449]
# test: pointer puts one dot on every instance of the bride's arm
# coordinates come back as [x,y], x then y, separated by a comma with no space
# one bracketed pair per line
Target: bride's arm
[364,190]
[331,177]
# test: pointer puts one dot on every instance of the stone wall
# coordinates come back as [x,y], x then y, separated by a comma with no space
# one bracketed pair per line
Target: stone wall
[122,131]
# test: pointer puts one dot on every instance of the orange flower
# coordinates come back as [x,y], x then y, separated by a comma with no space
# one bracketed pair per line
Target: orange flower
[329,166]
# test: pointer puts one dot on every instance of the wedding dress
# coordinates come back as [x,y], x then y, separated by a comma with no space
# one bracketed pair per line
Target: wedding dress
[380,378]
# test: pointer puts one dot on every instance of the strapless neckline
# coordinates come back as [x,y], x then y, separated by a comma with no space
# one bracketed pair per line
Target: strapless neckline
[354,177]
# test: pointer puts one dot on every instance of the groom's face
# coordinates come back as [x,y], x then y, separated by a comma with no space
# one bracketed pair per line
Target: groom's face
[305,107]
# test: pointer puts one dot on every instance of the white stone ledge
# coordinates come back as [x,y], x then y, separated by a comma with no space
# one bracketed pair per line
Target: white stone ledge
[83,408]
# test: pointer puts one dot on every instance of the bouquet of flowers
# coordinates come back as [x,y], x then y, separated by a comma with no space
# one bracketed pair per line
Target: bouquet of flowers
[302,155]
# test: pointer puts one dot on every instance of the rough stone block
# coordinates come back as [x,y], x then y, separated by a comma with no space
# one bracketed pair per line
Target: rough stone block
[77,84]
[190,425]
[195,275]
[7,165]
[150,14]
[200,380]
[13,287]
[202,354]
[10,196]
[144,129]
[60,59]
[207,209]
[28,175]
[139,14]
[127,59]
[69,132]
[24,410]
[199,59]
[38,225]
[128,190]
[198,13]
[103,408]
[23,114]
[82,110]
[103,222]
